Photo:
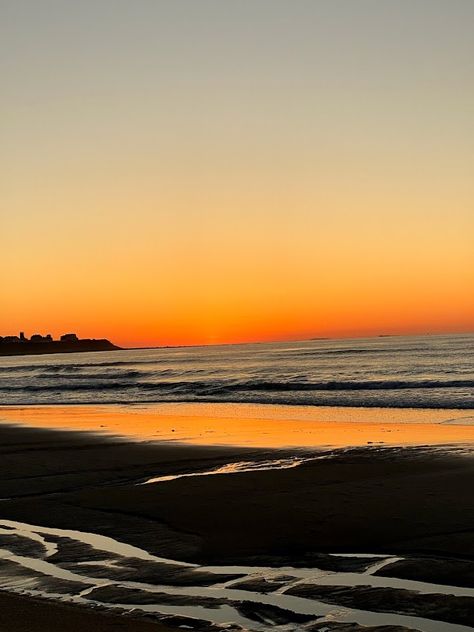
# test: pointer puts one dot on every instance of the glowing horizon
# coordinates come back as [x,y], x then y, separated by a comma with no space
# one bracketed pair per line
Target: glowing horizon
[216,172]
[139,343]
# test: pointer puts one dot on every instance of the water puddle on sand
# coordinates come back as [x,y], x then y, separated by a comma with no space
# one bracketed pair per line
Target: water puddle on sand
[236,468]
[96,570]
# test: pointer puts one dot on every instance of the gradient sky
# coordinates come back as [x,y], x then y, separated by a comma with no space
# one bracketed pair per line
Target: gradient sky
[203,171]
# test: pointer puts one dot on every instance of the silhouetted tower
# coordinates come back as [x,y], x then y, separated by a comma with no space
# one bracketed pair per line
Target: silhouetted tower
[22,336]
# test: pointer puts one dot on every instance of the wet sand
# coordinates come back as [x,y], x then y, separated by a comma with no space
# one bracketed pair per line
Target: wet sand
[255,426]
[413,502]
[373,498]
[22,614]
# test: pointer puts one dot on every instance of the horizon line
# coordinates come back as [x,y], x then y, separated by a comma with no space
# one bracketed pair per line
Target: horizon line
[313,338]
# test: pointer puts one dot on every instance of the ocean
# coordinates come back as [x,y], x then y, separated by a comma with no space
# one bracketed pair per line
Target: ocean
[392,371]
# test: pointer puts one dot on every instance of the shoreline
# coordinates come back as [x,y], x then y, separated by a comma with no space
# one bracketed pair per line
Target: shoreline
[411,502]
[230,402]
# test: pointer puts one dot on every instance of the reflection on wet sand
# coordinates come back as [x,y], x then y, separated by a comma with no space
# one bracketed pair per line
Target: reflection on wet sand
[256,425]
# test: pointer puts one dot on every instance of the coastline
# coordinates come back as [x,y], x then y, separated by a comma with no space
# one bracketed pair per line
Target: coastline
[409,500]
[28,348]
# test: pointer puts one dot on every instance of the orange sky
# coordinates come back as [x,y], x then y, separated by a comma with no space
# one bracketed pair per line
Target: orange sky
[187,173]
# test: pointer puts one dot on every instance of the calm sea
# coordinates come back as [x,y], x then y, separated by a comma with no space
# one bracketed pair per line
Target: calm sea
[412,372]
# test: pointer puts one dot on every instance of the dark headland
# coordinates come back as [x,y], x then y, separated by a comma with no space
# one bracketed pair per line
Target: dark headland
[37,344]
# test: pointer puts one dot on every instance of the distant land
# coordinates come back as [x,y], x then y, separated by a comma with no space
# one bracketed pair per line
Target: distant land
[38,344]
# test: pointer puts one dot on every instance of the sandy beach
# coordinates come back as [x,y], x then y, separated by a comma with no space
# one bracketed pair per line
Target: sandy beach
[257,518]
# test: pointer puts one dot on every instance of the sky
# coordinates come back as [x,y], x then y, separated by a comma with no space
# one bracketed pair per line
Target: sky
[213,171]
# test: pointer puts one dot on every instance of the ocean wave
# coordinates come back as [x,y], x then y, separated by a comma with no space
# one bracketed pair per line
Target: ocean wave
[364,351]
[222,386]
[336,385]
[72,386]
[436,372]
[108,375]
[67,368]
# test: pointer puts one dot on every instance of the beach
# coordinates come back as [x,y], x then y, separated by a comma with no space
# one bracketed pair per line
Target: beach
[236,330]
[194,524]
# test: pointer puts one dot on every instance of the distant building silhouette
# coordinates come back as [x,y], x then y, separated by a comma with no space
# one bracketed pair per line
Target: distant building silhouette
[38,338]
[69,338]
[11,339]
[23,339]
[68,343]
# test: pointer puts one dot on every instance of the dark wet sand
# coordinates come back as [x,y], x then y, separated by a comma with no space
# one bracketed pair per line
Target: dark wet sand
[413,501]
[362,499]
[21,614]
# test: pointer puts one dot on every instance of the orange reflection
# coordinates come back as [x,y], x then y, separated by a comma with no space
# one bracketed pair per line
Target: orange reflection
[256,425]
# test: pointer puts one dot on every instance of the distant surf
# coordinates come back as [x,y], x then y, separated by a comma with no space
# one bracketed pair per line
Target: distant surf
[398,372]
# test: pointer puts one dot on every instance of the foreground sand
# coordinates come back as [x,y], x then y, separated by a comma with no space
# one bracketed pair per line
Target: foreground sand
[415,502]
[362,499]
[21,614]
